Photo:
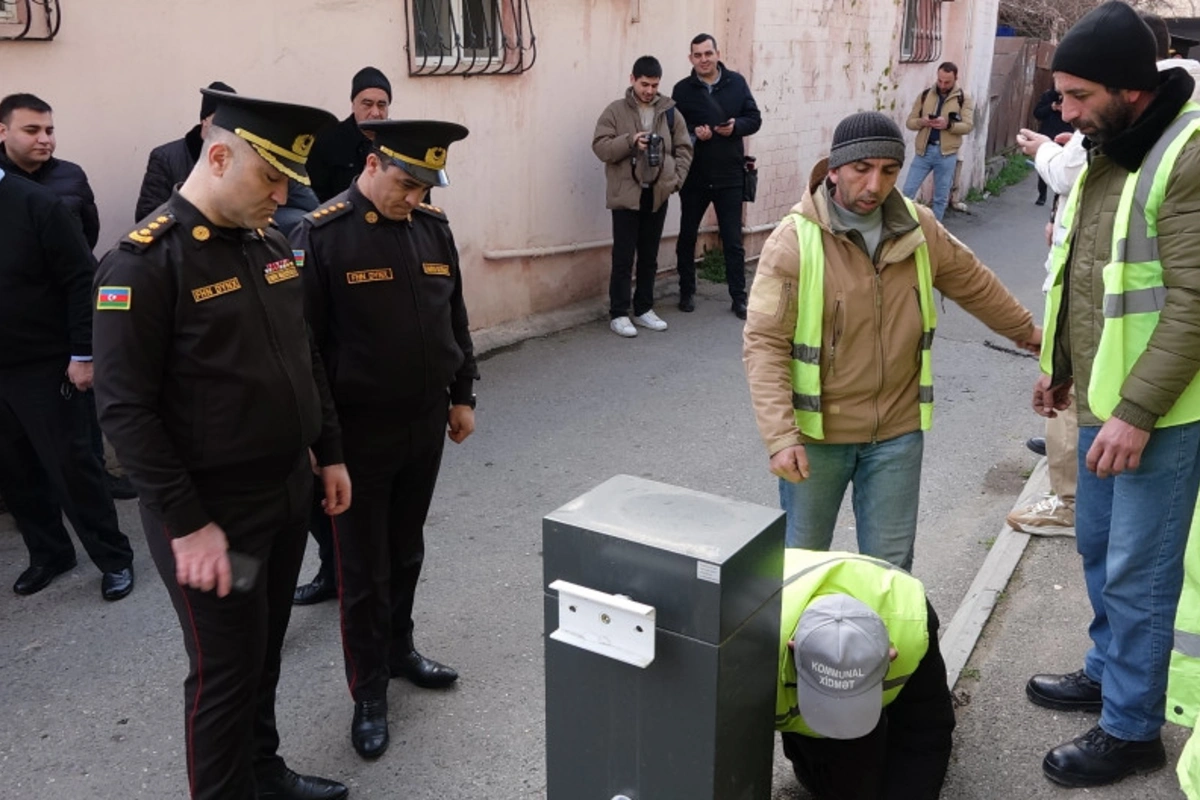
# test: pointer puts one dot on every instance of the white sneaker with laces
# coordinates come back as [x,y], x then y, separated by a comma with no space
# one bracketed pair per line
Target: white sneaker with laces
[650,320]
[621,326]
[1047,517]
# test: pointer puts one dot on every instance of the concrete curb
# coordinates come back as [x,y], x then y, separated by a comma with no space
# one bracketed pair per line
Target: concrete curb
[960,636]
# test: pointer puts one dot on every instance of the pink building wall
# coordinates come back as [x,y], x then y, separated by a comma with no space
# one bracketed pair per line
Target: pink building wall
[123,77]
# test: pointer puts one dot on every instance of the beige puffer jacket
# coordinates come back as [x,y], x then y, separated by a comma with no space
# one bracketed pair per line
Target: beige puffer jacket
[625,167]
[871,333]
[957,103]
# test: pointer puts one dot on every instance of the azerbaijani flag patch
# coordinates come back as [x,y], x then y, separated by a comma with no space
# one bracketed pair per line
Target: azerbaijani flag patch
[114,298]
[298,257]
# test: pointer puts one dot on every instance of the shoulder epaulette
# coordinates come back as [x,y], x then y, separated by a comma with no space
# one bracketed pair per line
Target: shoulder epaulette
[432,211]
[329,212]
[151,231]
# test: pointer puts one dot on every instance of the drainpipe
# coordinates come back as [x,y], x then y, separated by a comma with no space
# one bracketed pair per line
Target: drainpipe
[579,247]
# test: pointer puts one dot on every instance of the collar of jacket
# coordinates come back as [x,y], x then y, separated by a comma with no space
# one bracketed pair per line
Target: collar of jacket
[363,206]
[1129,148]
[191,219]
[193,142]
[721,81]
[36,176]
[897,222]
[661,101]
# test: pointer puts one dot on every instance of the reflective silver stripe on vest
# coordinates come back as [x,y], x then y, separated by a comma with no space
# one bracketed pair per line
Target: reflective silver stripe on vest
[1139,247]
[794,711]
[927,340]
[805,354]
[1187,644]
[806,402]
[895,682]
[1138,301]
[925,394]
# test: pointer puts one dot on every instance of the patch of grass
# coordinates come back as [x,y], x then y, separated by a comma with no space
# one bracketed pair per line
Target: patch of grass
[712,266]
[1014,171]
[975,196]
[970,673]
[988,542]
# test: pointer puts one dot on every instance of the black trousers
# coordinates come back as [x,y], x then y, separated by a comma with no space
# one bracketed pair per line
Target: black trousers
[321,528]
[1042,188]
[47,467]
[635,232]
[380,541]
[904,758]
[234,643]
[728,204]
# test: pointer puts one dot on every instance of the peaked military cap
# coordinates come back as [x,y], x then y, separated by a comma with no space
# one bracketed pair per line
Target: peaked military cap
[417,146]
[282,133]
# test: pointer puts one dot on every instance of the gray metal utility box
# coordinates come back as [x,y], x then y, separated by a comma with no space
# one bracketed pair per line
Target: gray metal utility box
[702,576]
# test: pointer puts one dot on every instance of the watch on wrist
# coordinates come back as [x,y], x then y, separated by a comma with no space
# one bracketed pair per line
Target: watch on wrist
[471,402]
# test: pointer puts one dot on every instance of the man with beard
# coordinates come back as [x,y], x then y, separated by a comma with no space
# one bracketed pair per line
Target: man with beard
[1120,314]
[839,398]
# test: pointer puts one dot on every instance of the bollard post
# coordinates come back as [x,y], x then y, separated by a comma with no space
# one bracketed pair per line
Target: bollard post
[662,644]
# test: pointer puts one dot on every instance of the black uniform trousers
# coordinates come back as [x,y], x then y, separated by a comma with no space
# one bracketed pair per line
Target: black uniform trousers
[234,643]
[904,758]
[380,541]
[635,233]
[47,467]
[694,202]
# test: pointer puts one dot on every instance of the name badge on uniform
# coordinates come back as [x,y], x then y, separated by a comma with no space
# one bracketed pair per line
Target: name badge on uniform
[114,298]
[216,290]
[436,269]
[369,276]
[278,271]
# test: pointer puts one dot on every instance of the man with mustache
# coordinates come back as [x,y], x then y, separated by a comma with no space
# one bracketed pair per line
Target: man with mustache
[837,341]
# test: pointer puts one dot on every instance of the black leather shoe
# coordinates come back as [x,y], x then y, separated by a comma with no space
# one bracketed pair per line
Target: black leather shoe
[321,589]
[38,576]
[1037,444]
[115,585]
[1098,758]
[739,309]
[1041,201]
[369,729]
[119,487]
[1074,691]
[686,303]
[284,784]
[424,672]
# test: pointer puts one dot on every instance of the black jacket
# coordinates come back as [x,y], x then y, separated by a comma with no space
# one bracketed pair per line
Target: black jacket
[385,303]
[1050,121]
[168,166]
[46,274]
[337,157]
[719,161]
[206,375]
[67,180]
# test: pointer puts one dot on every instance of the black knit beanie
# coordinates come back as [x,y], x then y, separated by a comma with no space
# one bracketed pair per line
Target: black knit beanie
[867,134]
[1111,46]
[370,78]
[208,105]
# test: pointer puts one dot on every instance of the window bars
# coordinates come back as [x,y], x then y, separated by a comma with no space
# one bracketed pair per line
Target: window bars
[470,37]
[921,41]
[29,20]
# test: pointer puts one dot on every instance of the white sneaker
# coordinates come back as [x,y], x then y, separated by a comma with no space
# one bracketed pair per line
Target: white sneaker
[621,326]
[650,320]
[1047,517]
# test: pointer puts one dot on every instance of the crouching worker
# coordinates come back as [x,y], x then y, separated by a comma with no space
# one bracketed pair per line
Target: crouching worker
[862,704]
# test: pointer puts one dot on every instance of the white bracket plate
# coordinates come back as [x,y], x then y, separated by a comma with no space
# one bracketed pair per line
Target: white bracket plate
[610,625]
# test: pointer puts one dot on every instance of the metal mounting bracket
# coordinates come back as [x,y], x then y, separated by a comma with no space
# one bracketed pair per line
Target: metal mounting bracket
[610,625]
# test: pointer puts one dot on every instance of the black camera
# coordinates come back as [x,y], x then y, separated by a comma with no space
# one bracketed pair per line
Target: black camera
[654,150]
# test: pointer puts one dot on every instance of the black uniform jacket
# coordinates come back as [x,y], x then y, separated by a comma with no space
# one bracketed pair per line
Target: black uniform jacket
[67,180]
[206,374]
[385,303]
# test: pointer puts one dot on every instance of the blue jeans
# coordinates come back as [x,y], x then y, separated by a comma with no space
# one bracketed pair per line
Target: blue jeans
[942,168]
[1131,531]
[887,487]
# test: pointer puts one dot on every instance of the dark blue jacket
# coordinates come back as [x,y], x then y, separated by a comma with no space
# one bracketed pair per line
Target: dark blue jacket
[68,181]
[718,162]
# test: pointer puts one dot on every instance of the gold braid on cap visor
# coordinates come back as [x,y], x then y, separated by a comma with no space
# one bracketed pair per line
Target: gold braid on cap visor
[265,149]
[435,157]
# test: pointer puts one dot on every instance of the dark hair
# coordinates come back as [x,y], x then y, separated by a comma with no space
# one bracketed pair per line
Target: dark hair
[1162,35]
[29,102]
[701,38]
[647,67]
[948,66]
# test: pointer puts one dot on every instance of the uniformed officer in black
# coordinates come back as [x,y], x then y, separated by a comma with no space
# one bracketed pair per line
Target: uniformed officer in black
[385,301]
[212,393]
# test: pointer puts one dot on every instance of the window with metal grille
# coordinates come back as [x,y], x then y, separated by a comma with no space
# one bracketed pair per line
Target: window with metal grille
[30,20]
[921,40]
[470,37]
[8,10]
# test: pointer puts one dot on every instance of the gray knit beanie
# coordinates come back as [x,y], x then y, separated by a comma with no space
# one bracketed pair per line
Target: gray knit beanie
[867,134]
